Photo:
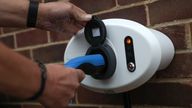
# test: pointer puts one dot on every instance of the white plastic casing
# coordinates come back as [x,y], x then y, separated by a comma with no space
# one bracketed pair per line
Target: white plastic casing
[153,51]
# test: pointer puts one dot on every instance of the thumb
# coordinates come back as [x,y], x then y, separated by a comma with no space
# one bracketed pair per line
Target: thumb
[80,15]
[85,17]
[81,74]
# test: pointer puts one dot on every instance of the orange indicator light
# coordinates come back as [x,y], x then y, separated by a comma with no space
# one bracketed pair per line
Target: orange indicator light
[129,41]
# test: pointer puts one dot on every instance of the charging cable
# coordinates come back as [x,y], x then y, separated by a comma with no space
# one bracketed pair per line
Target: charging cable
[127,100]
[89,63]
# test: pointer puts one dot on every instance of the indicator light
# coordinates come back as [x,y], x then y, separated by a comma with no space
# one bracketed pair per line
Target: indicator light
[129,41]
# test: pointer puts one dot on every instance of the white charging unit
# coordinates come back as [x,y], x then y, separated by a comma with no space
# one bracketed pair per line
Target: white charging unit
[149,51]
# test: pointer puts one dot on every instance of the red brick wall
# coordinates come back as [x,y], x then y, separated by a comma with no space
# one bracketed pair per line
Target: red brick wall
[171,88]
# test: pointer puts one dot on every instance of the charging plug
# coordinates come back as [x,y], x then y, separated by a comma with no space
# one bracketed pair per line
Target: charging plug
[90,64]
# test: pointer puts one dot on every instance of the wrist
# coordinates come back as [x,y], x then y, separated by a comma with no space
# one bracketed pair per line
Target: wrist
[36,80]
[48,86]
[30,81]
[43,78]
[33,83]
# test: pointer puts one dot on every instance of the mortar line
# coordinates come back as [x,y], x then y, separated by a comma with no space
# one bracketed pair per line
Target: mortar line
[183,51]
[76,99]
[7,34]
[19,31]
[116,2]
[124,7]
[41,46]
[31,54]
[152,1]
[15,40]
[147,15]
[170,80]
[65,42]
[172,23]
[188,36]
[1,30]
[49,36]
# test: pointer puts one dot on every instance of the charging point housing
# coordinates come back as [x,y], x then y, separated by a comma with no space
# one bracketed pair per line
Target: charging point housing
[138,52]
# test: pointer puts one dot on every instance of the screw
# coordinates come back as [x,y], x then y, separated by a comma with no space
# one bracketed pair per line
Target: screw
[131,66]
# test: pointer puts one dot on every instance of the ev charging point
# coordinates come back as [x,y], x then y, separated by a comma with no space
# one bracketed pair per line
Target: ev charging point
[132,53]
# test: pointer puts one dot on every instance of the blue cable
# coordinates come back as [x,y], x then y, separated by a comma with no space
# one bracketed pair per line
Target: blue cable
[95,60]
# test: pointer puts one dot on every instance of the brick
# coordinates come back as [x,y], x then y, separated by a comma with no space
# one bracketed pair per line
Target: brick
[32,106]
[86,96]
[1,31]
[8,41]
[163,94]
[33,37]
[10,106]
[60,36]
[126,2]
[191,34]
[92,6]
[50,54]
[129,13]
[25,53]
[158,94]
[179,68]
[14,99]
[41,1]
[3,98]
[9,30]
[169,10]
[176,34]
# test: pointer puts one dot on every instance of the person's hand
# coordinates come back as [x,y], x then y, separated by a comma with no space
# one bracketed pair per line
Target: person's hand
[61,86]
[61,17]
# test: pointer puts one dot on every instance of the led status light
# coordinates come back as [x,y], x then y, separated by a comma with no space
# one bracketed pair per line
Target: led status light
[129,41]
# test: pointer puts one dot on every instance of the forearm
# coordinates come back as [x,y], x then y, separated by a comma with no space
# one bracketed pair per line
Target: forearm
[19,76]
[13,13]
